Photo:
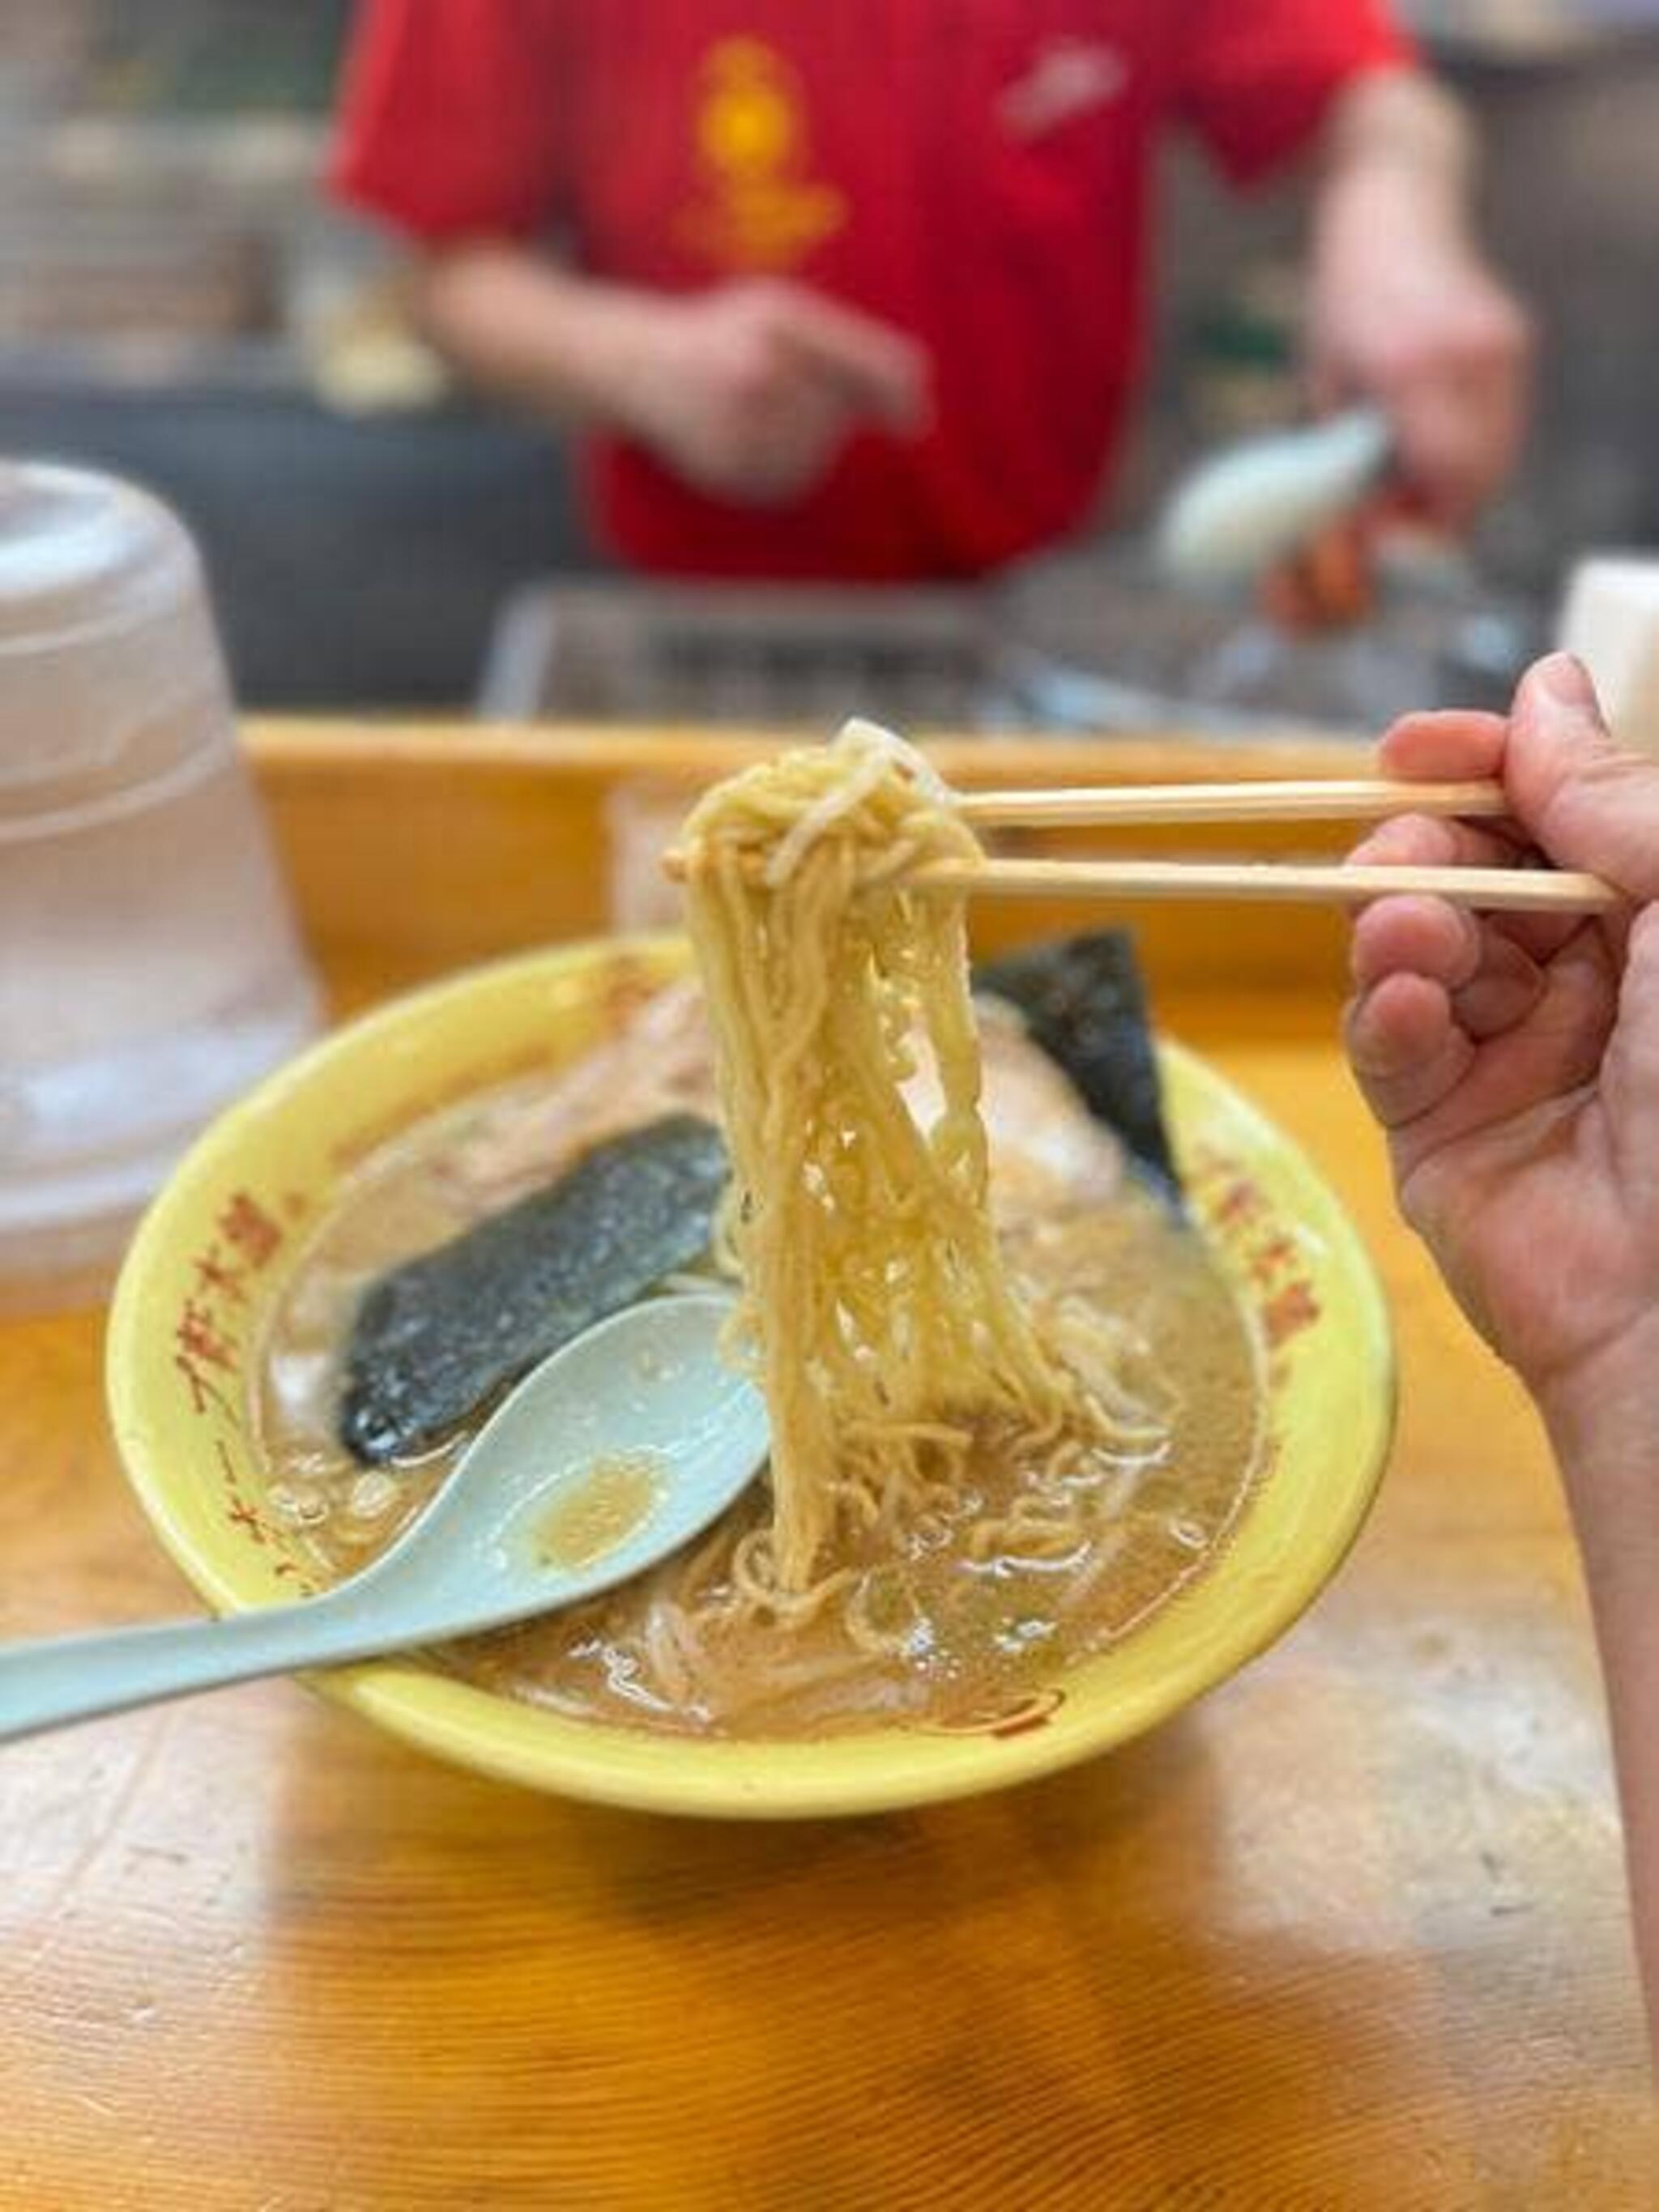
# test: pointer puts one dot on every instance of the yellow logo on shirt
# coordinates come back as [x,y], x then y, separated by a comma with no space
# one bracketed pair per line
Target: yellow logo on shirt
[759,206]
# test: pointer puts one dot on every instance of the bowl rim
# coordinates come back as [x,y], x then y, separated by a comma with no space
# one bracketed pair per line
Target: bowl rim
[512,1739]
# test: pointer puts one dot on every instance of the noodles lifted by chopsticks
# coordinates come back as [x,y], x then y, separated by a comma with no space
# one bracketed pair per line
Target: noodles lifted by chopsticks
[875,1305]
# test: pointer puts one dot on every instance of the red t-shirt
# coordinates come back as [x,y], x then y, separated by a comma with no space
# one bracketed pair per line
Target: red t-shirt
[976,171]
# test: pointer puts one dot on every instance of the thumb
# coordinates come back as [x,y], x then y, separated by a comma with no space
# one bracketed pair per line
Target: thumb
[1588,803]
[878,368]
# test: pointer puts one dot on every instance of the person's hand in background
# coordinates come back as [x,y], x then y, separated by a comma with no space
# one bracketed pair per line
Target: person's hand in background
[752,389]
[1514,1061]
[1403,309]
[749,390]
[1404,312]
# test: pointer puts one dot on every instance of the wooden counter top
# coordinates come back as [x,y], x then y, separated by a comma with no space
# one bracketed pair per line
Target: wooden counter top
[1351,1934]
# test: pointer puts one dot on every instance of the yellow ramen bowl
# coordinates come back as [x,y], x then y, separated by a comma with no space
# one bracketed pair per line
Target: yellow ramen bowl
[211,1260]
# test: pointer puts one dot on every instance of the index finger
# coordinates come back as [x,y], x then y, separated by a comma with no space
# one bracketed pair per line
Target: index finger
[1453,744]
[877,367]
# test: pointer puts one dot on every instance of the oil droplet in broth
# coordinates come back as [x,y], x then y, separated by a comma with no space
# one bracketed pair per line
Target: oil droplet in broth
[600,1511]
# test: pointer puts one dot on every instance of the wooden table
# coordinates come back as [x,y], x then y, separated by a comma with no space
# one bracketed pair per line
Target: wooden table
[1351,1934]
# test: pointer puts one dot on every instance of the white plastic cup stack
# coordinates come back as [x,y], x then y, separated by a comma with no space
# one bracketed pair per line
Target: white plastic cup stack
[150,968]
[1610,619]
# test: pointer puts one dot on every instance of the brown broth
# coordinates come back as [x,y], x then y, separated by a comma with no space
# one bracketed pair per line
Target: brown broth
[966,1636]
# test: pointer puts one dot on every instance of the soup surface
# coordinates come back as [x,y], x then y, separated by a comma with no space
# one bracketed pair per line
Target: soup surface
[933,1623]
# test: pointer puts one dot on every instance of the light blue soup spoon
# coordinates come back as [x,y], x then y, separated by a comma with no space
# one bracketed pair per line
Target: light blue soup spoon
[614,1452]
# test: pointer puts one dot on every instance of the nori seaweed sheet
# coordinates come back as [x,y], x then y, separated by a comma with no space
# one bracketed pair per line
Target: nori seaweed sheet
[1084,1003]
[437,1337]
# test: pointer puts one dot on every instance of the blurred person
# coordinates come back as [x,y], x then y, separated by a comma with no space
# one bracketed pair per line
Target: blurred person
[1514,1062]
[857,291]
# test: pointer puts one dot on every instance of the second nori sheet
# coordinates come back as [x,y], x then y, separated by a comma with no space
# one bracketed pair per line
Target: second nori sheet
[1084,1003]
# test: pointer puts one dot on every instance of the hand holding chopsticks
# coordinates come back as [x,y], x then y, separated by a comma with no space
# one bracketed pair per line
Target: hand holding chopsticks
[1492,890]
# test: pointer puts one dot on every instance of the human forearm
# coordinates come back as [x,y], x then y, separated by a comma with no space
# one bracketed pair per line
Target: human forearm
[518,325]
[1397,131]
[747,389]
[1402,310]
[1604,1423]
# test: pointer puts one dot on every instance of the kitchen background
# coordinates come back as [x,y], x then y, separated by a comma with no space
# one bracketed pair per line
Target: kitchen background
[178,303]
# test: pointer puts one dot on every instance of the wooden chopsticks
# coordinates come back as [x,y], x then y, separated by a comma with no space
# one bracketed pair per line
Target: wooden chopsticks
[1488,890]
[1516,891]
[1354,798]
[1330,798]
